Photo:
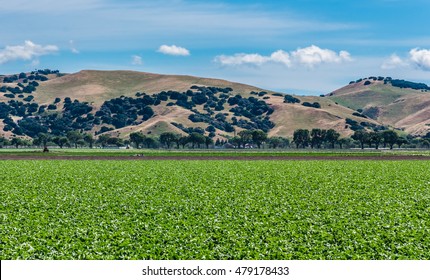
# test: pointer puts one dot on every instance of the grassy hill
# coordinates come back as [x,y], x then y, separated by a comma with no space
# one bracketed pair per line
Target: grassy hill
[111,102]
[403,108]
[99,86]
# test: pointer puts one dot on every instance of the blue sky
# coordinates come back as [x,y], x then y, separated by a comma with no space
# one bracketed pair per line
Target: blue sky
[304,47]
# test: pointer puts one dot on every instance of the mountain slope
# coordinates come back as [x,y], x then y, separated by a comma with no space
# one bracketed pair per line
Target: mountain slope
[121,102]
[99,86]
[407,109]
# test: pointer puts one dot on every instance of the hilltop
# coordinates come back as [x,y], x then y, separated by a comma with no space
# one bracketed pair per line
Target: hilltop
[401,104]
[122,102]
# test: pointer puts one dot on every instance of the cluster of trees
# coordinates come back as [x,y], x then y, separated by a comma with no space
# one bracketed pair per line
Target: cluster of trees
[313,105]
[169,139]
[25,83]
[124,111]
[316,138]
[376,138]
[291,99]
[393,82]
[303,138]
[407,84]
[71,139]
[248,138]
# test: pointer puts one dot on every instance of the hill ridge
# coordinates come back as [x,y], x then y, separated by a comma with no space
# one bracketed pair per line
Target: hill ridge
[197,103]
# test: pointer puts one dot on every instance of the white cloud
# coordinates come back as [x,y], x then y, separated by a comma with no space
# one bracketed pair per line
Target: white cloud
[421,58]
[242,58]
[136,60]
[418,58]
[281,57]
[313,55]
[310,56]
[393,62]
[173,50]
[28,51]
[73,49]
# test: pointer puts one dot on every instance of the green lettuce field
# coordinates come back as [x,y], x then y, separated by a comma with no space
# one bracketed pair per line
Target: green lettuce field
[214,209]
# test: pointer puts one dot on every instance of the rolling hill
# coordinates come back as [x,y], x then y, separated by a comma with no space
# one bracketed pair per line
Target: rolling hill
[390,103]
[121,102]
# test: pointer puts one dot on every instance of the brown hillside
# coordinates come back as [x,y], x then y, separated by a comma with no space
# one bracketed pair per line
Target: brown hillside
[97,86]
[405,109]
[402,108]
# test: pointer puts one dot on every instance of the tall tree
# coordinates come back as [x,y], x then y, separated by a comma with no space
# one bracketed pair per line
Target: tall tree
[401,141]
[275,142]
[183,140]
[103,140]
[376,138]
[137,138]
[208,141]
[301,138]
[332,136]
[42,139]
[17,142]
[74,136]
[60,141]
[258,137]
[245,137]
[115,141]
[167,138]
[317,137]
[149,142]
[343,141]
[89,139]
[196,138]
[235,141]
[360,136]
[390,137]
[3,142]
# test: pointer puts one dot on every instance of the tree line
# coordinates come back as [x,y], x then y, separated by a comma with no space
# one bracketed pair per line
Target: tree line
[302,138]
[316,138]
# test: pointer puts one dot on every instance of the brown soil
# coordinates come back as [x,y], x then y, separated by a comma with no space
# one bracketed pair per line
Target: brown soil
[249,158]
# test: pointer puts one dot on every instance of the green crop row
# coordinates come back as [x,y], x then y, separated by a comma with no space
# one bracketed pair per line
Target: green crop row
[214,210]
[211,153]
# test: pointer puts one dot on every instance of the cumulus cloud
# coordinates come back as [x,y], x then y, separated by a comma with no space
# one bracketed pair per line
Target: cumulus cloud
[28,51]
[242,58]
[136,60]
[173,50]
[281,57]
[393,61]
[313,55]
[421,58]
[310,57]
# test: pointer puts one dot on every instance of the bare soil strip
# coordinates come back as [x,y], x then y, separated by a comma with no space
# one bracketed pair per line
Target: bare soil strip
[249,158]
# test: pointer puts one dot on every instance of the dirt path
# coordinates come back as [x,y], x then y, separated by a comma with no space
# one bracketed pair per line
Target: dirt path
[137,158]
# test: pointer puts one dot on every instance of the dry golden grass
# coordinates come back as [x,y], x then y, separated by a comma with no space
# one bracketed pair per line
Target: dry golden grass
[401,108]
[97,86]
[406,109]
[289,117]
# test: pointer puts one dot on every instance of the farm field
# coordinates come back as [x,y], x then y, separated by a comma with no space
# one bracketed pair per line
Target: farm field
[214,209]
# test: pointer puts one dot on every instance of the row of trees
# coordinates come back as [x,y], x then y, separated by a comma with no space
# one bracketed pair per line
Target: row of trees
[376,138]
[302,138]
[315,138]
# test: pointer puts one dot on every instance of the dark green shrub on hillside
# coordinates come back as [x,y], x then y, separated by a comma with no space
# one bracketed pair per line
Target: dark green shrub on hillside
[313,105]
[29,98]
[291,99]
